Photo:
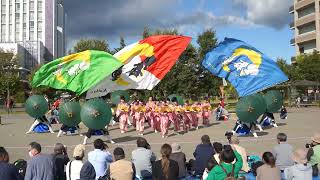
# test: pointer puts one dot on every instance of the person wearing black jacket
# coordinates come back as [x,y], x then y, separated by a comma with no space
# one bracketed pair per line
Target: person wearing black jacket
[8,171]
[60,158]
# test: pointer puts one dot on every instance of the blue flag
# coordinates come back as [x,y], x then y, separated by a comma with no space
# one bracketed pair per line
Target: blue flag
[246,68]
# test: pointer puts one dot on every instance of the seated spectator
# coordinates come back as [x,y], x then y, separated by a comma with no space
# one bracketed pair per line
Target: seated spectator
[121,168]
[234,142]
[60,158]
[217,149]
[301,170]
[7,171]
[202,154]
[269,170]
[142,158]
[227,166]
[178,156]
[282,152]
[87,172]
[40,166]
[73,167]
[165,169]
[100,158]
[314,153]
[211,164]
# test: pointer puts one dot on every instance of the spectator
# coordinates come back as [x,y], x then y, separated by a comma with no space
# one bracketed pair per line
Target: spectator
[211,164]
[202,154]
[142,158]
[60,158]
[121,168]
[217,149]
[229,166]
[99,158]
[282,152]
[178,156]
[302,169]
[165,169]
[314,153]
[73,167]
[40,166]
[268,170]
[234,142]
[87,172]
[7,171]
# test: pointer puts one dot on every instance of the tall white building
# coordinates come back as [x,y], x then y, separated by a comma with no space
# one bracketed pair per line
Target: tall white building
[35,28]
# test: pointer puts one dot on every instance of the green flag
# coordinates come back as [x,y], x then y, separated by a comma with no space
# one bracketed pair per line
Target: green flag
[76,72]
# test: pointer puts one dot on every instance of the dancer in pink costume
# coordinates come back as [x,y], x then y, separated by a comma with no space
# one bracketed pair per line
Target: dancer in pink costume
[206,111]
[164,120]
[157,117]
[187,116]
[196,114]
[140,117]
[122,113]
[177,116]
[150,112]
[133,111]
[170,112]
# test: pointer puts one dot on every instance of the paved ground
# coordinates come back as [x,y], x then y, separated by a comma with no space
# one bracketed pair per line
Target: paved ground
[299,127]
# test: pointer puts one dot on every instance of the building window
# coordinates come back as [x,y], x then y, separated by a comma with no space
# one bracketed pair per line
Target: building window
[3,2]
[3,32]
[24,17]
[17,7]
[3,18]
[17,18]
[31,16]
[31,6]
[39,34]
[39,25]
[39,16]
[301,50]
[24,7]
[31,25]
[31,35]
[39,6]
[3,9]
[17,36]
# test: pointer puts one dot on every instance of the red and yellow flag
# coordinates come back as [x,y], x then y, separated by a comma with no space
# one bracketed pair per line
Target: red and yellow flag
[146,63]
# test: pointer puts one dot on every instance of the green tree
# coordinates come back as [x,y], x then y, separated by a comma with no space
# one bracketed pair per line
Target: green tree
[9,74]
[308,66]
[290,70]
[146,32]
[208,83]
[122,45]
[91,44]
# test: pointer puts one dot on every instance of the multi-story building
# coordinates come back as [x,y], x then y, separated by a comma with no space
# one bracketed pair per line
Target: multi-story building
[306,26]
[36,26]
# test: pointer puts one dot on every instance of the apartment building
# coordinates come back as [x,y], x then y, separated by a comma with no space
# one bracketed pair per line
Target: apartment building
[306,26]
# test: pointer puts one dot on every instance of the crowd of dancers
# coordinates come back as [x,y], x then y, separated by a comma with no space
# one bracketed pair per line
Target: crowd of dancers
[159,115]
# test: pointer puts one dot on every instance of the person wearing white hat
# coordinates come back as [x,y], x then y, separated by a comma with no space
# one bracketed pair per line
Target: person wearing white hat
[73,167]
[301,170]
[314,153]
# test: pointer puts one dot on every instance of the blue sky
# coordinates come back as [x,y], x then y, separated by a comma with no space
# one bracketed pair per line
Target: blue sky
[261,23]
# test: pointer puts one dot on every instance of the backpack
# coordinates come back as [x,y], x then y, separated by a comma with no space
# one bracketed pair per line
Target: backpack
[230,176]
[21,165]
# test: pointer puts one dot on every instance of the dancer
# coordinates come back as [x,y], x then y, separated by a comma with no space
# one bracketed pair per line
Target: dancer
[72,129]
[196,114]
[149,112]
[41,120]
[283,113]
[164,120]
[268,119]
[243,128]
[206,111]
[101,132]
[176,115]
[157,117]
[133,111]
[122,113]
[140,118]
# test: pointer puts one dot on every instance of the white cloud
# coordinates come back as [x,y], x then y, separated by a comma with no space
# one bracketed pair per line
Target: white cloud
[272,13]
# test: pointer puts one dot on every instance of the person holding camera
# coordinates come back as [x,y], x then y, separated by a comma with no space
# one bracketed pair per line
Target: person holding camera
[313,155]
[60,158]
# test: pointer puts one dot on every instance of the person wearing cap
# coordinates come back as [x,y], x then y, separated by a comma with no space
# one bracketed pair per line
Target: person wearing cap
[100,158]
[60,158]
[73,167]
[234,142]
[301,170]
[178,156]
[121,168]
[314,154]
